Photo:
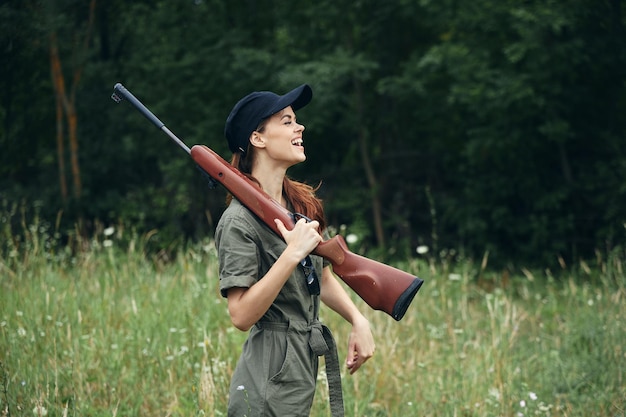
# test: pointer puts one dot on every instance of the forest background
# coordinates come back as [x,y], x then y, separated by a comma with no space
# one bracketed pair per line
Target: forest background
[487,127]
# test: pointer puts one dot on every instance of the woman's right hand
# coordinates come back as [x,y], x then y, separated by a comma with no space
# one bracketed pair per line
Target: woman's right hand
[302,239]
[247,305]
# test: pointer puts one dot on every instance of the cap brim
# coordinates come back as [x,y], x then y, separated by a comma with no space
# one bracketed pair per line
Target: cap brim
[296,98]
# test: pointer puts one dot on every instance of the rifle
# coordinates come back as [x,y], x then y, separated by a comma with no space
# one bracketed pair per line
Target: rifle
[381,286]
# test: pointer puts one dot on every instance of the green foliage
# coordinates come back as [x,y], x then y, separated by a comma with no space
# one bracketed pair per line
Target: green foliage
[511,115]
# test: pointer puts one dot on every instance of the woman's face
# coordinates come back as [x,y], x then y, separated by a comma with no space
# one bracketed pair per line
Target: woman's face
[282,138]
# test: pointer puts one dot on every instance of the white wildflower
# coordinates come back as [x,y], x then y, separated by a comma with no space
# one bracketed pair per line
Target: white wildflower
[421,249]
[532,396]
[40,411]
[494,393]
[454,277]
[241,388]
[109,231]
[352,238]
[544,407]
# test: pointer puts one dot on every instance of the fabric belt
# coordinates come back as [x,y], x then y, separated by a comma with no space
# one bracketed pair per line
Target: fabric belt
[322,343]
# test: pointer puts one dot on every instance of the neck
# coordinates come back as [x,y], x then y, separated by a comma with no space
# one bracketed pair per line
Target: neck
[271,181]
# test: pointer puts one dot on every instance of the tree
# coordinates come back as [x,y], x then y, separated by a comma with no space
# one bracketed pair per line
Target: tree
[486,125]
[66,100]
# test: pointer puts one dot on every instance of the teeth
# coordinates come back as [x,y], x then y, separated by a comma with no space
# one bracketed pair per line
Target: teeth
[297,142]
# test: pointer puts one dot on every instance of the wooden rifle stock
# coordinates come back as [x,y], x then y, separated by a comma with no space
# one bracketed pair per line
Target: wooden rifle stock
[381,286]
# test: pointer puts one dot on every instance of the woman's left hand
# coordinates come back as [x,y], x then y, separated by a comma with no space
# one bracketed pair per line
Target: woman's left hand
[361,345]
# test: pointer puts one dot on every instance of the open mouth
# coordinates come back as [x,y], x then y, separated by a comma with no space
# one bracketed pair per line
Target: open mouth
[297,142]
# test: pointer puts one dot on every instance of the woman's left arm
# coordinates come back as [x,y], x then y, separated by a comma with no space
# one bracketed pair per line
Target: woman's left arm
[361,345]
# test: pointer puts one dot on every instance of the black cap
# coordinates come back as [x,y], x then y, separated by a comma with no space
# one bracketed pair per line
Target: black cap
[248,113]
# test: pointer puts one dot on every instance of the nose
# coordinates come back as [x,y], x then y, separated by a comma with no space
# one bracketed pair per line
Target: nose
[299,127]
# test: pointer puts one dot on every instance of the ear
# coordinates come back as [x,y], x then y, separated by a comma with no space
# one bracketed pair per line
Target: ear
[257,139]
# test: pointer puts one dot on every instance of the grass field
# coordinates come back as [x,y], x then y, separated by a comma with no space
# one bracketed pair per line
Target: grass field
[109,331]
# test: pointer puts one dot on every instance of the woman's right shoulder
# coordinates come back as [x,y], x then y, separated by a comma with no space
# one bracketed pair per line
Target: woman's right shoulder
[236,214]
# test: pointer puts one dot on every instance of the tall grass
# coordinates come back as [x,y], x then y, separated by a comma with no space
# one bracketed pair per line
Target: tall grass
[108,330]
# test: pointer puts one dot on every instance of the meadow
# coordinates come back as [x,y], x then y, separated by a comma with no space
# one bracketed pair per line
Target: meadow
[102,327]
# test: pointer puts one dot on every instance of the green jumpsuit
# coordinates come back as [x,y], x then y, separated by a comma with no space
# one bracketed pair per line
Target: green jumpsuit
[277,370]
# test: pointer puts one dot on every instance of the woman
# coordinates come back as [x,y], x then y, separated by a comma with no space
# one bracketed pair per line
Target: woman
[273,284]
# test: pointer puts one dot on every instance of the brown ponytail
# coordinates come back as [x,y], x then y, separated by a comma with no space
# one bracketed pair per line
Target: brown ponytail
[303,199]
[300,195]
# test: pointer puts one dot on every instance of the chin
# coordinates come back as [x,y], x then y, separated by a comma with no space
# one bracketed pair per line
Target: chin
[300,157]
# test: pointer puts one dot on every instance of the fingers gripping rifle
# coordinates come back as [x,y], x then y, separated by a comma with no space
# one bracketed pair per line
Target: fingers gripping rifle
[381,286]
